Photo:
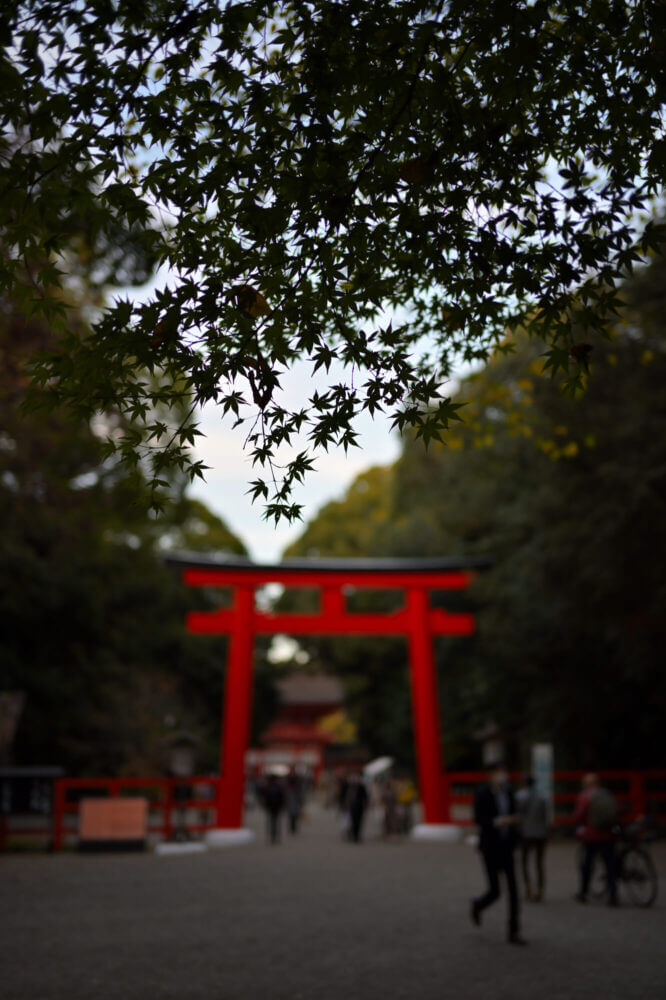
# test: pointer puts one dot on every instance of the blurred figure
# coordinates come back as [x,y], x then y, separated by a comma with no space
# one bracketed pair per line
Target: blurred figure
[533,812]
[390,805]
[256,784]
[293,796]
[407,796]
[496,818]
[342,796]
[357,802]
[595,819]
[341,793]
[272,799]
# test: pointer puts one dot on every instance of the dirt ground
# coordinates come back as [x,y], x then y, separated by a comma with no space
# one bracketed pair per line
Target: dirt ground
[315,918]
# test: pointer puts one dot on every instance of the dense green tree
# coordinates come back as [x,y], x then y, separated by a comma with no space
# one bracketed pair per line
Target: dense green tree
[377,186]
[92,619]
[188,525]
[568,497]
[353,526]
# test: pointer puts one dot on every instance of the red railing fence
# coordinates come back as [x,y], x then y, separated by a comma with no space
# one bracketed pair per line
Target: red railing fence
[639,793]
[188,805]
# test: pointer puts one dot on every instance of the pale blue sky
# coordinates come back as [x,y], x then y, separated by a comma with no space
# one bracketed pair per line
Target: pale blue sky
[224,490]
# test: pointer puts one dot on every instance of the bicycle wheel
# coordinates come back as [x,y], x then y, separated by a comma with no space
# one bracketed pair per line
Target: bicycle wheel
[599,882]
[638,876]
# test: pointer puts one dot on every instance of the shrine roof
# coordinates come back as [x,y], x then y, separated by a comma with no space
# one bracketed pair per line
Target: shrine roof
[310,689]
[330,565]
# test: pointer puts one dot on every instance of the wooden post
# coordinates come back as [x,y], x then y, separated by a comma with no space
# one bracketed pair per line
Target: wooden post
[637,782]
[167,808]
[58,813]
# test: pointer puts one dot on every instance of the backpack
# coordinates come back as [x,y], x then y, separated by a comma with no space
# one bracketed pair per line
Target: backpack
[602,812]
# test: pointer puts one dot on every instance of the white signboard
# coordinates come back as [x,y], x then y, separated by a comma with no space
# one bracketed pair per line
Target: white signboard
[542,769]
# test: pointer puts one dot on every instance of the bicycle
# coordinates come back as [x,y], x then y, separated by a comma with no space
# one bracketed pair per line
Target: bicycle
[635,871]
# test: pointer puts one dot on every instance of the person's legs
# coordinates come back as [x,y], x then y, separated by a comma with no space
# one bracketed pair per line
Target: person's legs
[587,864]
[493,891]
[539,854]
[513,904]
[525,846]
[607,850]
[540,851]
[275,827]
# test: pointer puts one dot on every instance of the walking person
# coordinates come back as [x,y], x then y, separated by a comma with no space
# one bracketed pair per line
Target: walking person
[390,804]
[273,802]
[357,802]
[342,797]
[496,818]
[293,794]
[532,809]
[407,796]
[595,819]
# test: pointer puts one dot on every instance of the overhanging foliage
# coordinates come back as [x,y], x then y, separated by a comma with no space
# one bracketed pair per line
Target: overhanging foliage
[379,188]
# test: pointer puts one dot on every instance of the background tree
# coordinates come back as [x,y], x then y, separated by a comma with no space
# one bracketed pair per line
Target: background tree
[568,497]
[93,621]
[379,188]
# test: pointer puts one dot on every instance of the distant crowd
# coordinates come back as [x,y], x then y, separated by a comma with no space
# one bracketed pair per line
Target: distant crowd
[350,793]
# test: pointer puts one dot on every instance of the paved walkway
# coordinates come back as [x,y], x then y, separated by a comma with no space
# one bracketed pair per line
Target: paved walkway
[312,919]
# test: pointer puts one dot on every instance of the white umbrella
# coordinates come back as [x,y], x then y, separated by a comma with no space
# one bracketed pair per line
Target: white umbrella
[377,766]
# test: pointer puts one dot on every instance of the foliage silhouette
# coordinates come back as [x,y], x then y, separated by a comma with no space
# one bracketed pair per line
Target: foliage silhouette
[376,188]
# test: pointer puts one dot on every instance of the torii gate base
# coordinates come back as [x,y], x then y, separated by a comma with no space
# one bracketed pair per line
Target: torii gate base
[416,620]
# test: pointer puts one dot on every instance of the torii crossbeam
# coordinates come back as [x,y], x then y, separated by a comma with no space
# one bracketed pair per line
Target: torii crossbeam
[417,620]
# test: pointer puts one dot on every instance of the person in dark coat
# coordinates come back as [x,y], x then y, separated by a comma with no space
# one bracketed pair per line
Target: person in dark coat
[293,797]
[357,801]
[496,818]
[273,802]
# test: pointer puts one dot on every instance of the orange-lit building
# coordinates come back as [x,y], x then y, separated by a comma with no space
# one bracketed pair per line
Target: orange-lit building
[309,719]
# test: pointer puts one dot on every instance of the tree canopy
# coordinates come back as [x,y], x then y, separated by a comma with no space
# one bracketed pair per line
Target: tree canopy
[378,188]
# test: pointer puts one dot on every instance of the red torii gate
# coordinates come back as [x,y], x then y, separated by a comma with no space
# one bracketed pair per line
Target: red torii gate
[416,620]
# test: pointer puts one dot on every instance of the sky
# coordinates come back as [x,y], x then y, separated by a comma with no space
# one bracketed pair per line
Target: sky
[224,490]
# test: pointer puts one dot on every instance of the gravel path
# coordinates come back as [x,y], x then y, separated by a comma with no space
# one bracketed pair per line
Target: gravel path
[314,918]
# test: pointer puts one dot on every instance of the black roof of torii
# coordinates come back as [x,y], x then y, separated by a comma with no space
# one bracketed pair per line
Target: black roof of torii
[331,565]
